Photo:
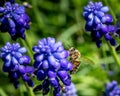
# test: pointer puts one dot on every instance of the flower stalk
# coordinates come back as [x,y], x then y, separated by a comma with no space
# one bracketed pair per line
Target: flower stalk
[29,90]
[114,54]
[25,43]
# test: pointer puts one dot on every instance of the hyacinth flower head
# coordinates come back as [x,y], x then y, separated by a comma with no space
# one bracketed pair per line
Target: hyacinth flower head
[112,89]
[98,22]
[14,20]
[51,63]
[16,63]
[70,91]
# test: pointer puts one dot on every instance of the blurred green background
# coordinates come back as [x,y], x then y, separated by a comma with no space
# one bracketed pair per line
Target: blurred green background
[63,20]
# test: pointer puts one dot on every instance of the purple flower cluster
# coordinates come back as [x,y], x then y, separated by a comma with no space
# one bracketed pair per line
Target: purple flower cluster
[99,23]
[112,89]
[16,64]
[70,91]
[51,64]
[14,20]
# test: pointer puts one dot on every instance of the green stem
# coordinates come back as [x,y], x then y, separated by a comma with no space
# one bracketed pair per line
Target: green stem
[104,56]
[114,54]
[24,42]
[28,43]
[29,90]
[51,91]
[21,91]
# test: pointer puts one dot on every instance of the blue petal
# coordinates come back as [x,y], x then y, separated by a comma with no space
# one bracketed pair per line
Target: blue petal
[97,20]
[18,55]
[8,63]
[37,64]
[30,83]
[8,57]
[51,74]
[41,75]
[100,14]
[90,16]
[45,64]
[64,63]
[54,82]
[90,22]
[63,75]
[20,10]
[61,48]
[105,9]
[61,55]
[50,40]
[69,67]
[51,60]
[12,31]
[2,9]
[36,49]
[11,23]
[113,42]
[39,57]
[22,50]
[15,75]
[55,46]
[14,61]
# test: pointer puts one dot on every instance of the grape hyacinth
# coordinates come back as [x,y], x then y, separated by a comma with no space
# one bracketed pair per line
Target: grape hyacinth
[112,89]
[16,64]
[99,23]
[14,20]
[70,91]
[51,64]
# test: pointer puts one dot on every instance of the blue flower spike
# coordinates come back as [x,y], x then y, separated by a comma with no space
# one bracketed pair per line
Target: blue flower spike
[98,22]
[14,20]
[51,64]
[112,89]
[16,63]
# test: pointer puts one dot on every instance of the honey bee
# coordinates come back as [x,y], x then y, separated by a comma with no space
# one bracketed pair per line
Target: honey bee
[74,59]
[27,5]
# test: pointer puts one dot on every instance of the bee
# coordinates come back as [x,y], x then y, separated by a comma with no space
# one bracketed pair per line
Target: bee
[74,59]
[27,5]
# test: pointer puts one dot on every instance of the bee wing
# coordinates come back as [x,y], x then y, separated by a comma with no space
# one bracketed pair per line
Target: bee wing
[86,60]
